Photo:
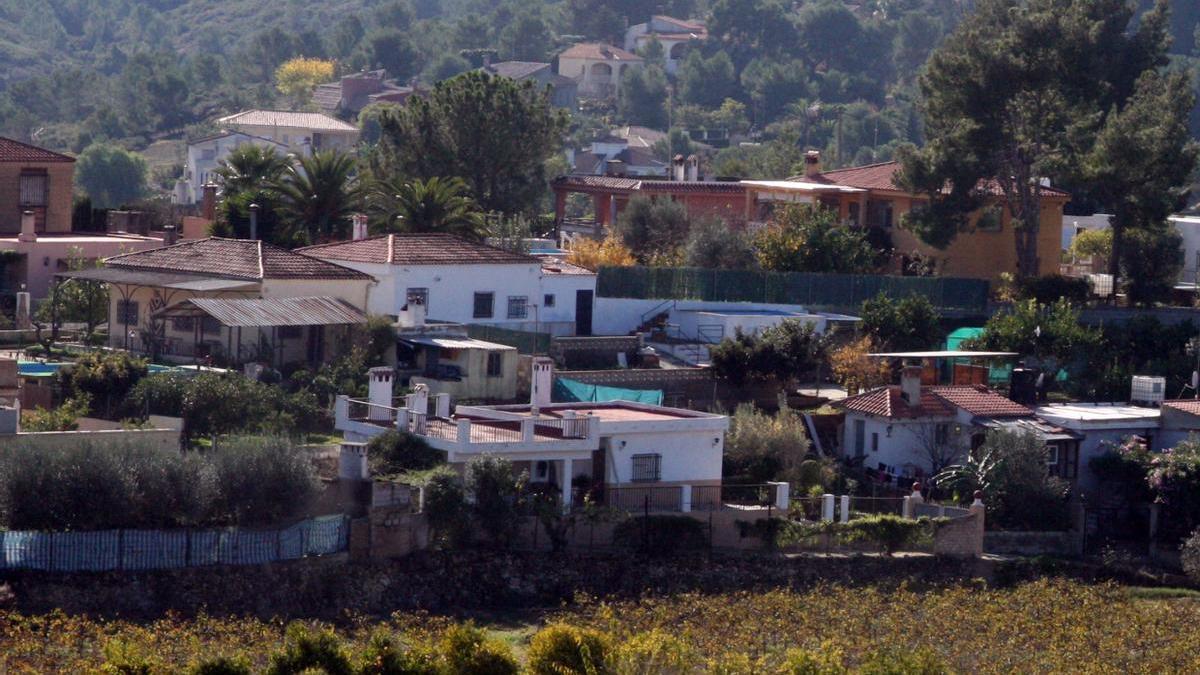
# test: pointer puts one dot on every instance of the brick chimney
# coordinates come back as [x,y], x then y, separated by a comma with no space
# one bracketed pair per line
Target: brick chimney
[170,235]
[28,227]
[812,163]
[208,202]
[358,226]
[910,385]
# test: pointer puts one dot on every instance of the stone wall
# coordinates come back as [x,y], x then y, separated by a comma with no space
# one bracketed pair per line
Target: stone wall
[961,537]
[1031,543]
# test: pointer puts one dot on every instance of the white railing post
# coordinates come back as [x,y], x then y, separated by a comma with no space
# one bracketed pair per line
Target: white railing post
[568,475]
[827,507]
[845,508]
[906,508]
[527,429]
[685,498]
[464,432]
[783,495]
[341,410]
[402,420]
[442,406]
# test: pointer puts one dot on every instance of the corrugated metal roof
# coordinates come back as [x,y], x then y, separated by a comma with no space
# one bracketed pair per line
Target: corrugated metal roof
[458,343]
[312,311]
[187,282]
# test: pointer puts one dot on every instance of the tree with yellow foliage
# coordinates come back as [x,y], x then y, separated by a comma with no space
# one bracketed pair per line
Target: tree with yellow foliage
[297,77]
[592,254]
[855,370]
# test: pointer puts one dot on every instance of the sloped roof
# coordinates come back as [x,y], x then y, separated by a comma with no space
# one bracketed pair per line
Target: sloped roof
[516,69]
[556,266]
[882,176]
[310,311]
[976,400]
[235,259]
[1187,405]
[283,118]
[16,151]
[682,24]
[640,157]
[598,51]
[634,184]
[417,249]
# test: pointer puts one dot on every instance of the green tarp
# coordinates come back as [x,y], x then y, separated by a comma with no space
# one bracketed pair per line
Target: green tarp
[572,391]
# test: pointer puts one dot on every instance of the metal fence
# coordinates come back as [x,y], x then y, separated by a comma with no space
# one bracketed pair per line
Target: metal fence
[167,549]
[836,291]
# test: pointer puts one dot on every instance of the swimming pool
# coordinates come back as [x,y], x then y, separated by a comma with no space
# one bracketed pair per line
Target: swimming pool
[747,312]
[38,369]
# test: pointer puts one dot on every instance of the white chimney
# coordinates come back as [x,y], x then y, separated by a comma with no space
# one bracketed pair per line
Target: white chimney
[678,169]
[910,385]
[418,400]
[693,168]
[352,462]
[812,163]
[358,227]
[541,382]
[441,406]
[28,227]
[379,393]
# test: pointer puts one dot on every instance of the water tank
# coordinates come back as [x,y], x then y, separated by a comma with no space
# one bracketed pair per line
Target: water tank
[1023,386]
[1147,390]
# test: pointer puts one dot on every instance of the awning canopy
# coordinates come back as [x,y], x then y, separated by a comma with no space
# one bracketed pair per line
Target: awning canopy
[185,282]
[251,312]
[801,186]
[457,343]
[946,354]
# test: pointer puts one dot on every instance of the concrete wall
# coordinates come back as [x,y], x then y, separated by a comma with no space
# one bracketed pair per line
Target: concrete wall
[49,255]
[961,537]
[619,316]
[165,439]
[301,140]
[687,456]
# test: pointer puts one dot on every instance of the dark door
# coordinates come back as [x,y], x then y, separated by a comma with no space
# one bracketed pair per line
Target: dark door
[583,312]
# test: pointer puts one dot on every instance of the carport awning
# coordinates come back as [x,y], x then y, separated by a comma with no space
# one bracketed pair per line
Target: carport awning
[261,312]
[457,343]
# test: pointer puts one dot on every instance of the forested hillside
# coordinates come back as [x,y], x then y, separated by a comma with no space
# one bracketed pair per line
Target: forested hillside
[819,73]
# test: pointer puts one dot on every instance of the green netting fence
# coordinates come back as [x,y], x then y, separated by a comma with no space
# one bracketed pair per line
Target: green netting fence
[835,291]
[526,342]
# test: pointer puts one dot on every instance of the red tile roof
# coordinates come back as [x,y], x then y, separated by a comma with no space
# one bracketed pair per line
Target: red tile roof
[16,151]
[980,401]
[234,258]
[977,400]
[418,249]
[646,184]
[882,177]
[598,51]
[1187,405]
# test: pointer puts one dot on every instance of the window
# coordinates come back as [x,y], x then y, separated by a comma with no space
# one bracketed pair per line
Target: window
[289,332]
[518,306]
[548,300]
[484,305]
[208,154]
[127,312]
[860,437]
[210,325]
[879,213]
[183,324]
[874,442]
[1052,455]
[34,188]
[418,295]
[494,361]
[991,219]
[941,434]
[647,468]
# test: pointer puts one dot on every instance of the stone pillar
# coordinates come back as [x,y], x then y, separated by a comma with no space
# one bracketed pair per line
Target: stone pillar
[24,322]
[527,430]
[567,474]
[341,408]
[402,418]
[911,501]
[352,462]
[685,498]
[463,432]
[827,508]
[783,496]
[419,400]
[844,507]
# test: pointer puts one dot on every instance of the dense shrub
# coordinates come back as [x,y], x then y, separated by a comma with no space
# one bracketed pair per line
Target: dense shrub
[107,377]
[1190,556]
[660,535]
[1049,289]
[466,650]
[394,452]
[560,648]
[137,485]
[494,487]
[890,533]
[761,447]
[446,508]
[306,650]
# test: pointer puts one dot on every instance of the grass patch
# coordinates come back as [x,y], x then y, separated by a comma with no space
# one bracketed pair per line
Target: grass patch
[1161,593]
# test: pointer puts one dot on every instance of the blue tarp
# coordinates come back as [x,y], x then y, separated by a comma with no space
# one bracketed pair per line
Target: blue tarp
[572,391]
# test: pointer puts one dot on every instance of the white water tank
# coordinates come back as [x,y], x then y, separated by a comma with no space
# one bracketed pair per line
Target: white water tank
[1147,389]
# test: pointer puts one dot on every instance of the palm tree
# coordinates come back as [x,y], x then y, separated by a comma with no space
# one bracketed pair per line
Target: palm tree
[434,205]
[318,194]
[250,167]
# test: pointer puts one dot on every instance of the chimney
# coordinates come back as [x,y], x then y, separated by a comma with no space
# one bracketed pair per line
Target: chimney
[678,169]
[170,235]
[379,392]
[693,168]
[28,227]
[910,385]
[208,202]
[358,226]
[418,400]
[541,382]
[812,163]
[254,221]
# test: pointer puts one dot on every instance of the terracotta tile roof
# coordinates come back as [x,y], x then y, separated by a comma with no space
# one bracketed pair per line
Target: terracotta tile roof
[417,249]
[979,401]
[1187,405]
[882,177]
[681,23]
[16,151]
[887,402]
[599,52]
[283,118]
[233,258]
[647,184]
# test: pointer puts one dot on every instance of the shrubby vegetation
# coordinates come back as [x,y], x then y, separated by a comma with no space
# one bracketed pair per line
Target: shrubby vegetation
[907,324]
[783,352]
[1169,479]
[396,451]
[241,481]
[1033,627]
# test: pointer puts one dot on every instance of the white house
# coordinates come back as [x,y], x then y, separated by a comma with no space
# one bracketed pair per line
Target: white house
[668,455]
[1102,424]
[461,281]
[907,431]
[302,132]
[627,155]
[597,68]
[206,154]
[675,36]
